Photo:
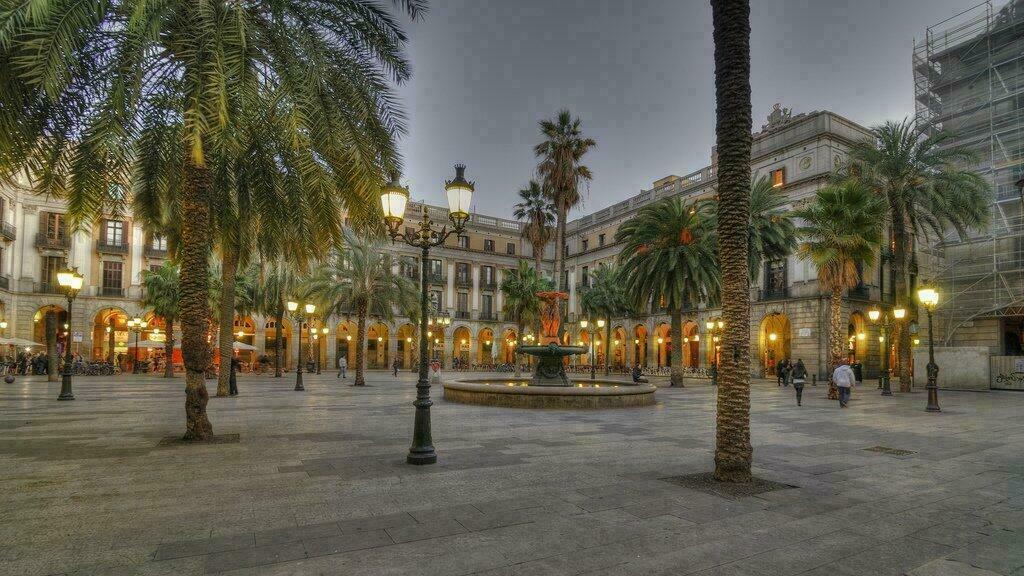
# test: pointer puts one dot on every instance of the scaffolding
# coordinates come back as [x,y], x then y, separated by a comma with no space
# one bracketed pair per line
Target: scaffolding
[969,81]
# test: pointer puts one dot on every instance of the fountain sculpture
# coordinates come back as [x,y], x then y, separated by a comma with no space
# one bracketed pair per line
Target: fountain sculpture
[550,367]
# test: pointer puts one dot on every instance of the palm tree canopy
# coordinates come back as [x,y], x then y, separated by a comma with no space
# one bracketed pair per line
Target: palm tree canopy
[160,290]
[561,153]
[606,297]
[772,233]
[922,178]
[538,213]
[519,288]
[289,103]
[842,228]
[668,255]
[360,277]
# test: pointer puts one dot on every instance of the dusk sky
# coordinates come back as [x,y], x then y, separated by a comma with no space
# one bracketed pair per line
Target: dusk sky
[640,75]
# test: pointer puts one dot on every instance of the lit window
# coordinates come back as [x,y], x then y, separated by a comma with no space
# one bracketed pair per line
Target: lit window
[778,178]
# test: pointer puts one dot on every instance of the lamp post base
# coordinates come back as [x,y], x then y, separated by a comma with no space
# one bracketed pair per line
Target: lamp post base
[933,378]
[421,458]
[886,390]
[66,396]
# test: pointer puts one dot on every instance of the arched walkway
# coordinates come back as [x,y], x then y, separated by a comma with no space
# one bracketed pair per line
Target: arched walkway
[485,347]
[54,319]
[270,342]
[640,345]
[109,334]
[663,339]
[462,342]
[691,344]
[344,342]
[774,341]
[508,348]
[408,346]
[712,343]
[619,348]
[244,331]
[857,341]
[377,346]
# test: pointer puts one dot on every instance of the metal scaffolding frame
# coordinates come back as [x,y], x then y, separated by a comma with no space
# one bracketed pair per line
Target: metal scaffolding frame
[969,80]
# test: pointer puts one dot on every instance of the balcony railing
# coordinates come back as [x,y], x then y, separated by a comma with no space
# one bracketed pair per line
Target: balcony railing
[5,283]
[48,242]
[488,316]
[488,285]
[435,278]
[110,291]
[47,288]
[773,293]
[463,281]
[152,252]
[462,314]
[859,292]
[111,247]
[8,231]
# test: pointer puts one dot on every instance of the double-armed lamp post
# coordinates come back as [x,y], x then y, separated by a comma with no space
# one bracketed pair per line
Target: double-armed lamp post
[71,281]
[929,298]
[136,326]
[393,200]
[897,313]
[295,310]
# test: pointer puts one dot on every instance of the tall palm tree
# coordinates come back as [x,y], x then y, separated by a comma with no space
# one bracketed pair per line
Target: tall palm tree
[668,259]
[922,179]
[771,234]
[519,289]
[561,155]
[361,281]
[161,293]
[843,228]
[731,18]
[607,298]
[276,281]
[99,98]
[537,211]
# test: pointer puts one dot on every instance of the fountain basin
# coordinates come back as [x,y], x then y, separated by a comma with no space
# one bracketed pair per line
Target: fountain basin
[513,393]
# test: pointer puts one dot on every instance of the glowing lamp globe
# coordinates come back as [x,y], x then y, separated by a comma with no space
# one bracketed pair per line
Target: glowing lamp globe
[460,193]
[292,306]
[874,314]
[393,199]
[928,296]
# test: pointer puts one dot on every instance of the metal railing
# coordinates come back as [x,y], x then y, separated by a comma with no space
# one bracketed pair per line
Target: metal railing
[463,281]
[8,231]
[48,288]
[151,252]
[488,316]
[45,241]
[462,314]
[116,292]
[773,293]
[111,247]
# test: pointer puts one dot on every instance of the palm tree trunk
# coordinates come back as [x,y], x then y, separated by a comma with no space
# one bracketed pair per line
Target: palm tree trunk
[538,258]
[194,299]
[901,257]
[229,265]
[278,334]
[835,329]
[608,348]
[519,337]
[733,453]
[169,348]
[676,333]
[560,277]
[360,344]
[51,346]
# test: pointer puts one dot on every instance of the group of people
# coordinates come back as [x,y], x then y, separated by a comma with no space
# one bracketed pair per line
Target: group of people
[796,374]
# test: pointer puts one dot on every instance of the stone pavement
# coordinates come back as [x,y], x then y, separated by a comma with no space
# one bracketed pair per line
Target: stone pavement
[317,484]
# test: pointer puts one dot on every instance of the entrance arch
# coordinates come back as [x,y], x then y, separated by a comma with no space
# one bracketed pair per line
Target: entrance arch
[485,347]
[377,346]
[109,334]
[774,341]
[51,318]
[462,341]
[270,340]
[691,344]
[619,348]
[408,346]
[344,342]
[243,330]
[856,338]
[640,345]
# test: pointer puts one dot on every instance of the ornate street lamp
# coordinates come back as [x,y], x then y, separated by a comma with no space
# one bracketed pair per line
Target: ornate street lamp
[714,329]
[896,313]
[591,337]
[393,200]
[71,281]
[929,298]
[136,325]
[296,311]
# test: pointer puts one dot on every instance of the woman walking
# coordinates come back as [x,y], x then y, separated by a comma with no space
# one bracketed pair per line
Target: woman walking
[799,377]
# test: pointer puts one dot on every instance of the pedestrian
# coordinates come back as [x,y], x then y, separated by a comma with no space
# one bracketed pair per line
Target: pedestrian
[799,377]
[780,372]
[395,366]
[638,375]
[787,373]
[342,366]
[844,380]
[232,381]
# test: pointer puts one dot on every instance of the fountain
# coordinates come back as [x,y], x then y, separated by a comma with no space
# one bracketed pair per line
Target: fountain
[550,386]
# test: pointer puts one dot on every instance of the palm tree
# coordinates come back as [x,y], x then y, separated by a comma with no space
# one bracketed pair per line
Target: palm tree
[731,18]
[161,293]
[668,260]
[102,98]
[606,297]
[920,177]
[561,169]
[361,281]
[537,211]
[276,281]
[519,288]
[843,229]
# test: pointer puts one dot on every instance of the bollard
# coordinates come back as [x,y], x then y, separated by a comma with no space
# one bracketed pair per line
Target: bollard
[814,379]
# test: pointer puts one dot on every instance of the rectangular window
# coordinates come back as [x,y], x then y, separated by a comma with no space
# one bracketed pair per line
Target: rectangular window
[778,178]
[462,304]
[510,249]
[585,276]
[600,240]
[158,242]
[112,273]
[488,245]
[463,241]
[486,305]
[584,244]
[435,268]
[3,209]
[113,232]
[462,272]
[54,226]
[487,274]
[51,264]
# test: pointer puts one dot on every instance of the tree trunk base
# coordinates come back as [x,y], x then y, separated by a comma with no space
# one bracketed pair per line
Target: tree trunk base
[197,425]
[736,472]
[676,378]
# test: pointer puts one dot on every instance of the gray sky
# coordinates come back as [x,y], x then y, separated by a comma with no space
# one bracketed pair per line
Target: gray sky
[640,75]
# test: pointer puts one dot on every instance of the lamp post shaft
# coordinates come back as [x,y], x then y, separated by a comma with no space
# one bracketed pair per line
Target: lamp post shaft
[298,370]
[422,449]
[886,383]
[65,379]
[933,370]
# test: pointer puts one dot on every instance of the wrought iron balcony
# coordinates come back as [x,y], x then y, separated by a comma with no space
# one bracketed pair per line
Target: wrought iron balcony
[110,291]
[151,252]
[48,288]
[435,278]
[462,314]
[5,283]
[463,281]
[488,316]
[773,293]
[50,243]
[111,247]
[8,231]
[488,285]
[859,292]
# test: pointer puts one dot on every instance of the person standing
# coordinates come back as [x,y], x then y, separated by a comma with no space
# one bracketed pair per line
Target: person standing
[799,377]
[844,379]
[780,372]
[394,367]
[342,366]
[232,380]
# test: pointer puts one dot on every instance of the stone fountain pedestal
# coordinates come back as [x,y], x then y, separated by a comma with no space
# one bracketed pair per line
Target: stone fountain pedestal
[550,366]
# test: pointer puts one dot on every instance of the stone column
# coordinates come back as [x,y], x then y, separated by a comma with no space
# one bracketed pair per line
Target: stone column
[450,299]
[474,296]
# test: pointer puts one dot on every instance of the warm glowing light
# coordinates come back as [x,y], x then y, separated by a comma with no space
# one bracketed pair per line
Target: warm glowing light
[710,325]
[616,342]
[874,314]
[600,323]
[408,339]
[881,338]
[292,306]
[380,338]
[696,337]
[240,334]
[636,340]
[348,337]
[661,340]
[310,308]
[899,313]
[917,341]
[721,324]
[773,336]
[686,339]
[929,297]
[861,336]
[584,323]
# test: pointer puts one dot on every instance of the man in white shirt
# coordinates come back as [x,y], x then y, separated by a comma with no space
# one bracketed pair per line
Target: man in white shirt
[342,366]
[843,378]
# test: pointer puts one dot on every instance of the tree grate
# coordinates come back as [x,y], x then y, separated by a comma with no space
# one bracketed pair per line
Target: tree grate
[890,451]
[705,482]
[179,441]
